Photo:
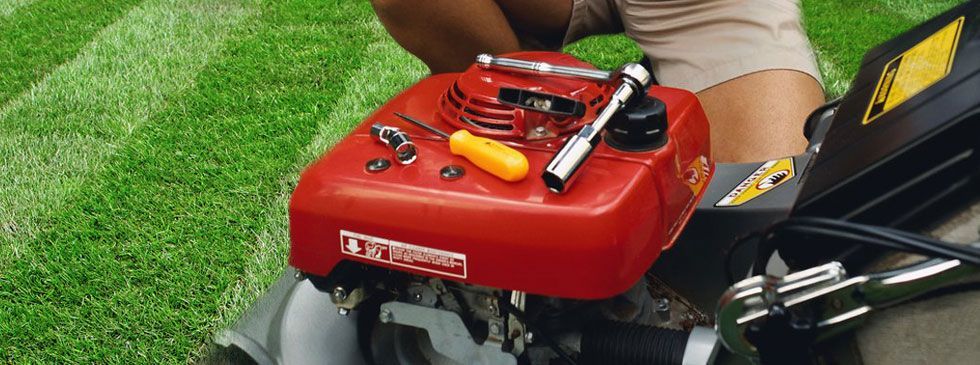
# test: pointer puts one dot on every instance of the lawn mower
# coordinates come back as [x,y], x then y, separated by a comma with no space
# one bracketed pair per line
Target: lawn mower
[536,210]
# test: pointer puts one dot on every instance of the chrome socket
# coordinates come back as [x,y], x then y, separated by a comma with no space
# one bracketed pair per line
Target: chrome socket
[561,170]
[400,142]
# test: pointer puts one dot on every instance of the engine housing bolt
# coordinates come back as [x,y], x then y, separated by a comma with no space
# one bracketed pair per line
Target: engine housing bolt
[340,294]
[528,337]
[386,316]
[377,165]
[417,297]
[662,307]
[343,311]
[494,328]
[452,172]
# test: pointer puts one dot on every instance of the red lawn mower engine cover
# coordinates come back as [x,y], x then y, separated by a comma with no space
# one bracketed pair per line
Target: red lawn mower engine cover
[593,241]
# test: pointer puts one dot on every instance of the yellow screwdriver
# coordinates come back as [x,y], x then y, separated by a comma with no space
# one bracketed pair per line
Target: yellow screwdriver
[491,156]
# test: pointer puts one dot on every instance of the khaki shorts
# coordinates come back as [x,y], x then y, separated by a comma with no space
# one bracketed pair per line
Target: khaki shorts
[696,44]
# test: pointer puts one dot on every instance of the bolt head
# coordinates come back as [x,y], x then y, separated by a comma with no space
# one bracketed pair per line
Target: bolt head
[528,337]
[339,293]
[377,165]
[662,304]
[417,297]
[637,73]
[343,311]
[386,316]
[452,172]
[494,328]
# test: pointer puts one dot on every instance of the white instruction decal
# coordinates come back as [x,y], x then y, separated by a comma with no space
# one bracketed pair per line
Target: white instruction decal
[403,254]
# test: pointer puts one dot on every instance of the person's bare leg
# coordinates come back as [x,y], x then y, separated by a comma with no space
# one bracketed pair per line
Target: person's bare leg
[546,20]
[760,116]
[447,34]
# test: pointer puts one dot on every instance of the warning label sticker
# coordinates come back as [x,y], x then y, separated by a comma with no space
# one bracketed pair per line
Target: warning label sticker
[768,176]
[915,70]
[696,174]
[403,254]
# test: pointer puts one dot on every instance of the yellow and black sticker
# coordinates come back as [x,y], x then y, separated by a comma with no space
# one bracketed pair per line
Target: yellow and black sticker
[915,70]
[696,174]
[767,177]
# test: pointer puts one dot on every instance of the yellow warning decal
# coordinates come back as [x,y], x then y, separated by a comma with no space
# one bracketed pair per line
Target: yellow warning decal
[767,177]
[696,174]
[915,70]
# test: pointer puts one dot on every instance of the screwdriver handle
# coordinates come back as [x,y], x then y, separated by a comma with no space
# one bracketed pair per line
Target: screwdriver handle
[491,156]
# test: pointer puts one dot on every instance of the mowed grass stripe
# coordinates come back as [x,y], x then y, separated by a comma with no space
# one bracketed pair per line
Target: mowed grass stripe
[138,267]
[66,126]
[36,37]
[366,88]
[7,7]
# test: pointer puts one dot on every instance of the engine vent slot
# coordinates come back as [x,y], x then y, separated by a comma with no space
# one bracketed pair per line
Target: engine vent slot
[490,105]
[488,115]
[457,92]
[478,113]
[454,102]
[479,124]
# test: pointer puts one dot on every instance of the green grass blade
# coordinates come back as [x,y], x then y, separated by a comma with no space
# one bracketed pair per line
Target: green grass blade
[8,7]
[38,36]
[842,31]
[66,126]
[147,154]
[171,237]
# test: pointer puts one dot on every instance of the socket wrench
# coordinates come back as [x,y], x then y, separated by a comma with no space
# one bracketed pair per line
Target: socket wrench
[633,81]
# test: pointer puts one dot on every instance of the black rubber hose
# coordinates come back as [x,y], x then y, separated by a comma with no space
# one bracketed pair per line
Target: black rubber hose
[631,343]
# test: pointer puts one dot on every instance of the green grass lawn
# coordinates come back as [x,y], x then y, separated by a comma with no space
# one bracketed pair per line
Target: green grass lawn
[148,150]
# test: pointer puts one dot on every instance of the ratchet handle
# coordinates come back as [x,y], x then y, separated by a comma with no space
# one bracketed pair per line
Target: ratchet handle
[486,61]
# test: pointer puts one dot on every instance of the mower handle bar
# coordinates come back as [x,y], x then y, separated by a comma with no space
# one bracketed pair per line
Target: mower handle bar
[843,301]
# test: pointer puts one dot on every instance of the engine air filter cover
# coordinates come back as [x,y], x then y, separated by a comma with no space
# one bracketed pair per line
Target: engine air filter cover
[594,241]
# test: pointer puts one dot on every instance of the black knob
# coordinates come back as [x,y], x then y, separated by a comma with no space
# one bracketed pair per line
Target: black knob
[640,126]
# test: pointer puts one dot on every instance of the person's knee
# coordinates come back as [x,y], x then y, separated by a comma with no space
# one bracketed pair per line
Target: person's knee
[388,7]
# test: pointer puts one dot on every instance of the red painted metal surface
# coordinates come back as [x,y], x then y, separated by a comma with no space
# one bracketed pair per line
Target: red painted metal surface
[594,241]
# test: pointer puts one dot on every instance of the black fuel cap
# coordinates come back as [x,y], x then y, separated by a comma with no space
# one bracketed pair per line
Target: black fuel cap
[641,126]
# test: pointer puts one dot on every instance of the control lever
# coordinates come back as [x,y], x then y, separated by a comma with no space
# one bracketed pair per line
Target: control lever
[633,81]
[836,302]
